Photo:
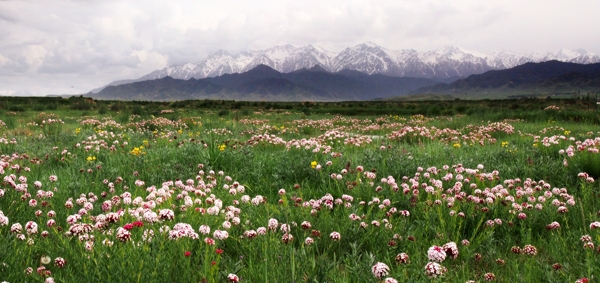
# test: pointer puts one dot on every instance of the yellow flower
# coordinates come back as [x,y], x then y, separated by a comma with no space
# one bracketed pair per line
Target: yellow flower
[136,151]
[145,143]
[91,158]
[535,144]
[313,164]
[179,131]
[504,144]
[456,145]
[222,147]
[567,133]
[77,131]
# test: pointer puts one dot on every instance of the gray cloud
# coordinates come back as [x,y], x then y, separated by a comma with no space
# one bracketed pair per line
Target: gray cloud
[49,46]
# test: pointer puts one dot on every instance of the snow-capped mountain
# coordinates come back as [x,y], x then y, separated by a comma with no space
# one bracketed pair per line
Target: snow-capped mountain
[370,58]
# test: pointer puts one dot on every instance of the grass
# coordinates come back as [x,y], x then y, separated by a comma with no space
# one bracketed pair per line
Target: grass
[290,197]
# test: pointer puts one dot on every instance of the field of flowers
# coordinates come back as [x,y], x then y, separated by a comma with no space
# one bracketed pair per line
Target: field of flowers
[279,196]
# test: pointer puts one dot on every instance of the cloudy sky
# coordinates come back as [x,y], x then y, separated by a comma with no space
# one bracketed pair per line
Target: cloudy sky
[71,47]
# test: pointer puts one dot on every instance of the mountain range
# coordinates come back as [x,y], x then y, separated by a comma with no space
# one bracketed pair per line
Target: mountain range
[266,84]
[545,78]
[263,83]
[444,65]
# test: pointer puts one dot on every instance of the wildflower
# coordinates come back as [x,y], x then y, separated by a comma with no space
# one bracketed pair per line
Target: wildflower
[313,164]
[123,235]
[219,251]
[287,238]
[209,241]
[233,278]
[504,144]
[451,249]
[204,229]
[222,147]
[434,269]
[515,250]
[456,145]
[529,250]
[306,225]
[187,253]
[335,236]
[250,234]
[45,260]
[489,276]
[390,280]
[402,258]
[309,241]
[60,262]
[436,253]
[380,269]
[31,228]
[553,226]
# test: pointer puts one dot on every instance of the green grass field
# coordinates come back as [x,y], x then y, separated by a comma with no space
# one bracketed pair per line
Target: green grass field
[214,191]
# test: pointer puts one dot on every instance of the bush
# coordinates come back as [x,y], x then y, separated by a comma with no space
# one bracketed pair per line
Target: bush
[223,112]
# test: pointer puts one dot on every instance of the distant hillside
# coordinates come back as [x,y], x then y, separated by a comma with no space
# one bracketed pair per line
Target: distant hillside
[265,83]
[542,78]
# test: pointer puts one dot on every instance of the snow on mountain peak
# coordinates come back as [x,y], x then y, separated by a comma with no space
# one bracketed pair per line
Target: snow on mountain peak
[368,57]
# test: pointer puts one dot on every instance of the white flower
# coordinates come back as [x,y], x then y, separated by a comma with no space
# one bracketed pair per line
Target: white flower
[45,260]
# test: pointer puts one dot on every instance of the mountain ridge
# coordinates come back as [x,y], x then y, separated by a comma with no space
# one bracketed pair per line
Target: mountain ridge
[544,77]
[263,82]
[370,58]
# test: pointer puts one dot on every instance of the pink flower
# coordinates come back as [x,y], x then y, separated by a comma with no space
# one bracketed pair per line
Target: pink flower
[287,238]
[380,269]
[187,253]
[529,250]
[434,269]
[60,262]
[436,253]
[309,241]
[233,278]
[335,236]
[451,249]
[489,276]
[553,226]
[402,258]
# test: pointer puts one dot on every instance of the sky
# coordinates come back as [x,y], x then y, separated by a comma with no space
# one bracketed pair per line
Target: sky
[72,47]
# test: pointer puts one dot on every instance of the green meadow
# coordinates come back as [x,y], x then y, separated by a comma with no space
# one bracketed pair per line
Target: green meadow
[229,191]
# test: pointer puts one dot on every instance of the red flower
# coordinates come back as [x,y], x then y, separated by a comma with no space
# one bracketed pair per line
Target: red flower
[138,224]
[214,262]
[219,251]
[128,226]
[187,253]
